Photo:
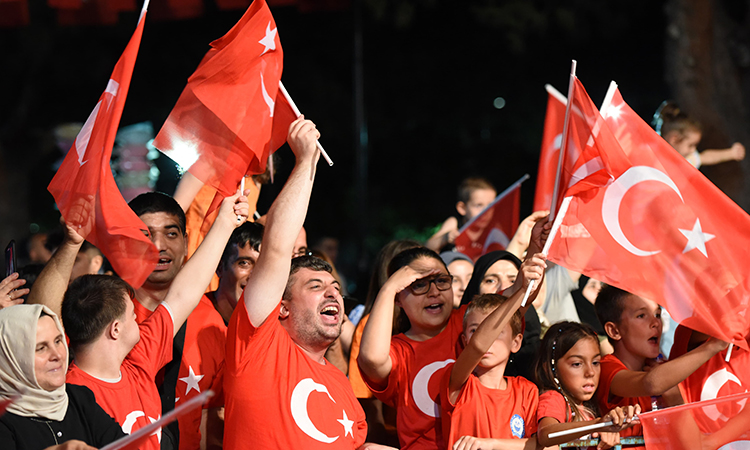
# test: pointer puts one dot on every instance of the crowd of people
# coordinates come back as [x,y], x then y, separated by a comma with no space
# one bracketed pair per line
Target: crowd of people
[442,354]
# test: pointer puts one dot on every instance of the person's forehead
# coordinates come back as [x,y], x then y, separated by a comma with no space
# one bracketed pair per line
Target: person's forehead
[476,316]
[482,194]
[634,302]
[246,251]
[502,266]
[460,265]
[426,263]
[304,275]
[159,219]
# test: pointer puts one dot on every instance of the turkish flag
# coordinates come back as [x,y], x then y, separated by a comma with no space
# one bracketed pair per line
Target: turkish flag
[658,228]
[716,378]
[222,125]
[85,190]
[4,403]
[691,425]
[549,155]
[493,228]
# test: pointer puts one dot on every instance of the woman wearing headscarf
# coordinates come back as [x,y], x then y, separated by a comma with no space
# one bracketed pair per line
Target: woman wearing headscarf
[495,272]
[45,413]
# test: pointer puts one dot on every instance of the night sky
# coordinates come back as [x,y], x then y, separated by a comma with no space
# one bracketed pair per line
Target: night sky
[432,73]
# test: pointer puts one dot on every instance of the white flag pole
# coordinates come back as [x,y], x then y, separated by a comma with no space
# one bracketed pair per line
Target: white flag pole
[167,418]
[561,157]
[729,352]
[581,430]
[296,111]
[555,227]
[555,93]
[497,199]
[242,192]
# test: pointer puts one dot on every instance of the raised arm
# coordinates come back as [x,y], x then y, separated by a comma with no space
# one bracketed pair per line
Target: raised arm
[631,383]
[190,283]
[374,357]
[285,218]
[50,286]
[445,235]
[187,189]
[734,153]
[491,327]
[522,239]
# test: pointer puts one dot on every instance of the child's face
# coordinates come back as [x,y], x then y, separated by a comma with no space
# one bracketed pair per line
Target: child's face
[478,200]
[504,345]
[578,370]
[429,311]
[640,327]
[461,271]
[685,143]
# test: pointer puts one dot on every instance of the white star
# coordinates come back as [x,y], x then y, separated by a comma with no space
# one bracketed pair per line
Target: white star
[157,432]
[192,381]
[269,40]
[347,425]
[696,238]
[613,112]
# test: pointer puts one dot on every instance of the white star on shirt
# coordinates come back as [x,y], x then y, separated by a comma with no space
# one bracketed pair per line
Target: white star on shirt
[696,238]
[347,425]
[157,432]
[269,40]
[192,381]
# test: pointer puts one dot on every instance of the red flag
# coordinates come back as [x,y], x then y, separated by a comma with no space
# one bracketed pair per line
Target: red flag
[4,403]
[692,425]
[493,228]
[551,142]
[658,229]
[85,190]
[221,126]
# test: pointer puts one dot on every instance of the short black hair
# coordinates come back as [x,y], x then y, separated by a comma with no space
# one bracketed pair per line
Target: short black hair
[609,306]
[90,304]
[248,233]
[304,262]
[154,202]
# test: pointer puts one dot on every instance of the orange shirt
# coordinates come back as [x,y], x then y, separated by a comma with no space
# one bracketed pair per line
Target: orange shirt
[414,382]
[606,401]
[277,397]
[484,412]
[134,399]
[355,378]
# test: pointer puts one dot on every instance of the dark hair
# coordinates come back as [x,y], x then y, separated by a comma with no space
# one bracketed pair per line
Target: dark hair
[558,340]
[304,262]
[248,233]
[90,304]
[155,202]
[402,259]
[670,118]
[379,274]
[487,303]
[471,184]
[609,306]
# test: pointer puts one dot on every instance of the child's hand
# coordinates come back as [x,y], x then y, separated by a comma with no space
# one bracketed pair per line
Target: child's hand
[405,276]
[607,439]
[716,345]
[737,151]
[532,268]
[622,418]
[472,443]
[540,232]
[234,209]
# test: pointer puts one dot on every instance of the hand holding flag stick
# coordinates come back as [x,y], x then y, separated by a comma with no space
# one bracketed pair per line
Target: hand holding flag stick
[298,113]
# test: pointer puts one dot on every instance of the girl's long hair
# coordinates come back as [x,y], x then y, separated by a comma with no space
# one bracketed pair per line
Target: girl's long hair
[558,340]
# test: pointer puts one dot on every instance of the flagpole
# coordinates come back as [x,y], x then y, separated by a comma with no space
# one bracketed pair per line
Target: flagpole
[581,430]
[555,226]
[497,199]
[608,97]
[555,93]
[242,192]
[298,113]
[563,147]
[729,352]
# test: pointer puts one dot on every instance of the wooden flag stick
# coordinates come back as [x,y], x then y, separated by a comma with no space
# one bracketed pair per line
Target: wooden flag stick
[296,111]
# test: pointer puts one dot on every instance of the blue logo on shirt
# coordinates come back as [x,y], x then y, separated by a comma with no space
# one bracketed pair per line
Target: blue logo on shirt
[517,426]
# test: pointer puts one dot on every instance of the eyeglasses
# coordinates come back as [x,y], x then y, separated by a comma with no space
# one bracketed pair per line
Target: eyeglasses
[442,282]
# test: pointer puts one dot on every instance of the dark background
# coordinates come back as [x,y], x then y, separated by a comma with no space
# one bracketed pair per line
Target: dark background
[432,70]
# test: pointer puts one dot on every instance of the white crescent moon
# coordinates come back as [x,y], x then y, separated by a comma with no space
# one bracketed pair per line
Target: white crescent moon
[736,445]
[613,197]
[419,388]
[711,389]
[127,426]
[498,236]
[299,409]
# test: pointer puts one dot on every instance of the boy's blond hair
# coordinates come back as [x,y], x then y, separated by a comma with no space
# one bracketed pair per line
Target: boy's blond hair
[486,303]
[471,184]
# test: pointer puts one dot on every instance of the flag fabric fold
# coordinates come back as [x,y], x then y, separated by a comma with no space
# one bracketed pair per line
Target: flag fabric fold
[85,190]
[231,115]
[493,228]
[643,219]
[548,156]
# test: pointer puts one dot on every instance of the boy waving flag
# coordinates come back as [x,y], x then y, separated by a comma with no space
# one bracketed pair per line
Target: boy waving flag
[85,190]
[658,228]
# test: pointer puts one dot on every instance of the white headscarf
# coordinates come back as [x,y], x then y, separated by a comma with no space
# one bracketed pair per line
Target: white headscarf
[18,326]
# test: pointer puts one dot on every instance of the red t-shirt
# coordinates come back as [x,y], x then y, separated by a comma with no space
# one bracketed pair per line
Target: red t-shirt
[134,400]
[414,382]
[484,412]
[552,404]
[277,397]
[606,401]
[201,368]
[716,378]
